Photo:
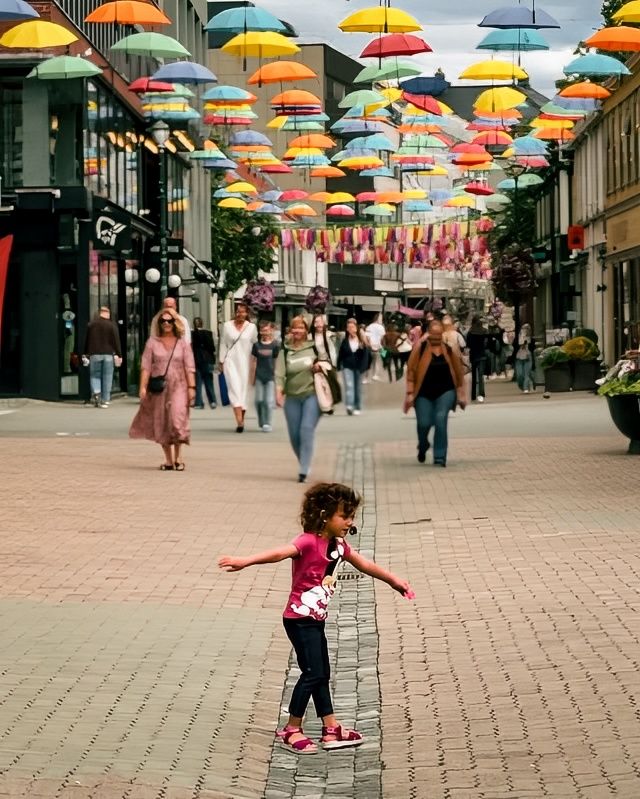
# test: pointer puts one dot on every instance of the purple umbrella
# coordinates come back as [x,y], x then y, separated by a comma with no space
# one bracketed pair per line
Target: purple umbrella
[184,72]
[519,17]
[15,10]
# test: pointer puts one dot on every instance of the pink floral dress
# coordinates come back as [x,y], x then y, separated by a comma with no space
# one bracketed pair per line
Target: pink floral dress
[164,418]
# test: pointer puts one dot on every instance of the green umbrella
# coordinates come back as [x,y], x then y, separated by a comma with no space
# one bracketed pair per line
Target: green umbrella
[64,67]
[152,45]
[362,97]
[390,70]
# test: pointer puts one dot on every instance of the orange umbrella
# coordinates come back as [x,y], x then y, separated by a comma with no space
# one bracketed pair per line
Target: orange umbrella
[587,90]
[128,12]
[318,140]
[512,113]
[254,206]
[301,210]
[553,134]
[619,38]
[327,172]
[389,197]
[493,138]
[296,97]
[281,72]
[319,196]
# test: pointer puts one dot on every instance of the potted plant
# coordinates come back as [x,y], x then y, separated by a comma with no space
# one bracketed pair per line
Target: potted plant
[621,387]
[557,372]
[585,367]
[260,295]
[317,300]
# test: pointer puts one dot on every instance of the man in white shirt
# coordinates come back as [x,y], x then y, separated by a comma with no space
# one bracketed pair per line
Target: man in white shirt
[375,332]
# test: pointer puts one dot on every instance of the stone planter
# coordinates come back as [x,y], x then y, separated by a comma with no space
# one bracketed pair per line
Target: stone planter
[585,374]
[557,378]
[625,413]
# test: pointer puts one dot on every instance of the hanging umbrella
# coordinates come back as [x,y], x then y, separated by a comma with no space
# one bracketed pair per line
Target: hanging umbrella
[418,206]
[527,145]
[341,197]
[273,195]
[529,179]
[15,10]
[502,98]
[380,209]
[431,86]
[379,19]
[378,141]
[493,138]
[363,97]
[630,12]
[621,39]
[390,197]
[242,187]
[222,194]
[219,163]
[146,85]
[519,17]
[422,102]
[327,172]
[233,202]
[357,126]
[319,196]
[414,194]
[152,45]
[479,189]
[391,71]
[281,72]
[395,44]
[128,12]
[318,140]
[257,44]
[293,194]
[64,67]
[246,18]
[377,172]
[340,210]
[460,202]
[276,169]
[37,34]
[293,97]
[301,209]
[554,134]
[520,40]
[361,162]
[228,94]
[301,125]
[497,201]
[269,208]
[596,65]
[494,70]
[185,72]
[581,104]
[586,89]
[367,196]
[538,122]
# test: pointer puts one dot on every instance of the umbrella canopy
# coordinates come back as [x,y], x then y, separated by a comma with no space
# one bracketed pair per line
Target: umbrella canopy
[300,209]
[502,98]
[425,85]
[395,44]
[586,89]
[527,145]
[414,194]
[64,67]
[293,194]
[461,201]
[520,40]
[376,142]
[293,97]
[340,210]
[340,197]
[281,72]
[228,95]
[596,65]
[258,44]
[389,71]
[497,201]
[269,208]
[493,138]
[620,38]
[246,18]
[519,17]
[152,45]
[539,122]
[479,189]
[367,196]
[37,34]
[630,12]
[128,12]
[242,187]
[381,209]
[319,196]
[377,172]
[418,206]
[16,10]
[379,19]
[422,102]
[147,85]
[554,134]
[583,104]
[361,162]
[233,202]
[318,140]
[327,172]
[390,197]
[363,97]
[185,72]
[494,70]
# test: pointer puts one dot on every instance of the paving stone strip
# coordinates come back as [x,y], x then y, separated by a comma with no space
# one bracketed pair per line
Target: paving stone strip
[353,646]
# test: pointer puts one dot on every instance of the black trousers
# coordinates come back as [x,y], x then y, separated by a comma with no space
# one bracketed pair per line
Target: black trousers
[310,645]
[477,378]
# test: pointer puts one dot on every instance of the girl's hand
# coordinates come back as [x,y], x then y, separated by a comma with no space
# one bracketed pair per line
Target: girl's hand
[279,397]
[231,564]
[403,587]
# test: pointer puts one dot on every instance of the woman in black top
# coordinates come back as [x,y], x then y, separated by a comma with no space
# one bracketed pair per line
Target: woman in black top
[354,358]
[477,344]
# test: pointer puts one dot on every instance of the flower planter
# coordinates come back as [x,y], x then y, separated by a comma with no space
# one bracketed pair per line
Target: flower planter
[625,413]
[557,378]
[585,374]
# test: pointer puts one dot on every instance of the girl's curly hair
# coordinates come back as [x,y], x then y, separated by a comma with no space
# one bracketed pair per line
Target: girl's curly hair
[322,500]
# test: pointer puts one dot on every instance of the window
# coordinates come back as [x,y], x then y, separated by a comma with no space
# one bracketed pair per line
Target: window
[11,132]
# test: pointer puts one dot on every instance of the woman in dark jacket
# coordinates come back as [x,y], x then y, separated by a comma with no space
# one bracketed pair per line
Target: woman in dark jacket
[354,358]
[477,344]
[435,383]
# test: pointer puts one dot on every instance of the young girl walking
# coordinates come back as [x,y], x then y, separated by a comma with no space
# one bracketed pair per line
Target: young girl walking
[328,511]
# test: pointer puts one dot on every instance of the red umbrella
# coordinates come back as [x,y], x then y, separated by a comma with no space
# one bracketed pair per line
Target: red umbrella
[366,196]
[479,189]
[533,161]
[424,102]
[340,210]
[470,149]
[293,194]
[395,44]
[275,169]
[144,85]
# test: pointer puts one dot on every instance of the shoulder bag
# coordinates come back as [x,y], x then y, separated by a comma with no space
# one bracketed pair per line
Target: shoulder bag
[156,385]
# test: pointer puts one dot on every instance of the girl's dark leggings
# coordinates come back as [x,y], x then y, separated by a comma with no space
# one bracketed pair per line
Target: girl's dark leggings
[310,645]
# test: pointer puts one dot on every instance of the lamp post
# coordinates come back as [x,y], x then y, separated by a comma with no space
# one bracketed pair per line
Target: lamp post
[514,169]
[160,133]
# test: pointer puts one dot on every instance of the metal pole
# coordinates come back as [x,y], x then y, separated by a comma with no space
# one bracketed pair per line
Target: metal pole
[164,244]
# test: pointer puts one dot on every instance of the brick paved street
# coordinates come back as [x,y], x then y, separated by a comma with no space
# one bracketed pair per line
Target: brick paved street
[133,668]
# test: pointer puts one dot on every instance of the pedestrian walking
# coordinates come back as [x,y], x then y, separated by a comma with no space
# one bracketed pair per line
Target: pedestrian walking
[102,354]
[495,350]
[390,343]
[295,391]
[404,347]
[236,342]
[204,354]
[435,385]
[328,511]
[264,352]
[524,360]
[167,389]
[171,303]
[374,332]
[477,344]
[323,340]
[354,358]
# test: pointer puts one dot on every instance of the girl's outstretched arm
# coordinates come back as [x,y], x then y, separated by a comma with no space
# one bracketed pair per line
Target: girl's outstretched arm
[270,556]
[373,570]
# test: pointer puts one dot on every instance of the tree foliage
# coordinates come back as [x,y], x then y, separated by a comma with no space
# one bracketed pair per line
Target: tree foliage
[514,275]
[515,223]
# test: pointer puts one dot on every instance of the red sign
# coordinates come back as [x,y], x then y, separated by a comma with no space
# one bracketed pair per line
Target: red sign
[5,251]
[575,237]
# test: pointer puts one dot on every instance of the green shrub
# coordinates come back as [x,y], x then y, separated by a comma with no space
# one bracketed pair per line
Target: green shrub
[581,348]
[586,332]
[551,356]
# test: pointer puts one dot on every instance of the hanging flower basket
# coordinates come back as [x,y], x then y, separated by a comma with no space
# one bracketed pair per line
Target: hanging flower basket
[317,299]
[260,295]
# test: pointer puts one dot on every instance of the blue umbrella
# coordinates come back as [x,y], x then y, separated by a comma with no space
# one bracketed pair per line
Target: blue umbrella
[219,163]
[358,111]
[519,17]
[596,65]
[176,116]
[271,196]
[16,10]
[184,72]
[268,208]
[356,152]
[222,93]
[379,172]
[241,20]
[417,206]
[250,137]
[514,40]
[376,142]
[440,195]
[357,126]
[221,193]
[425,86]
[528,145]
[587,104]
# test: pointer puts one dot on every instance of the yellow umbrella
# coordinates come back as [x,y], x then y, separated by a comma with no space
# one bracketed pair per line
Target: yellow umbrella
[445,110]
[241,187]
[502,98]
[380,19]
[494,70]
[488,166]
[414,194]
[292,152]
[391,94]
[363,162]
[340,197]
[277,122]
[37,34]
[552,123]
[436,172]
[460,202]
[233,202]
[260,44]
[630,12]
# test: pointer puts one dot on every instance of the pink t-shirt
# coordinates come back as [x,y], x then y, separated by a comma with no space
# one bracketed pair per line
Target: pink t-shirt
[313,575]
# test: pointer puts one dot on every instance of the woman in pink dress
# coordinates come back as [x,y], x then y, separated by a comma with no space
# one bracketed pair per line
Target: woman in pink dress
[164,417]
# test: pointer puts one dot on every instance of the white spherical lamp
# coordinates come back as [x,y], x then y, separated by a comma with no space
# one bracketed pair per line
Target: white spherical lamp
[152,275]
[130,275]
[174,281]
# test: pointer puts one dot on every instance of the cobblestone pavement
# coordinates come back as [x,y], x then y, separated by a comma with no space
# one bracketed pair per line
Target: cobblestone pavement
[133,668]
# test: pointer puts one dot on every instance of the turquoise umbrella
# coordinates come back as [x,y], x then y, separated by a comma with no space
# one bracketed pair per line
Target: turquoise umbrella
[362,97]
[152,45]
[241,20]
[596,65]
[514,40]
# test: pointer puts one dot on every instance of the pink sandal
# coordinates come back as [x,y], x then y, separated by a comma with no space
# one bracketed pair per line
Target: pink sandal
[305,746]
[343,737]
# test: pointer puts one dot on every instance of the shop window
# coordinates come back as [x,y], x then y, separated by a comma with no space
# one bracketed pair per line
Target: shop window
[11,132]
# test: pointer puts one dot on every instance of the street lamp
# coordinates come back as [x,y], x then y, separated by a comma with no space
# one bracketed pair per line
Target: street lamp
[160,133]
[514,169]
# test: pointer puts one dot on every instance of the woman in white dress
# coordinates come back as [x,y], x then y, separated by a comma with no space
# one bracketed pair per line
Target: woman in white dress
[236,341]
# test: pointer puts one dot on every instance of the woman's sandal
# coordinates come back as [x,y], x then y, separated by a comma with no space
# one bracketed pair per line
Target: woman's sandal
[304,746]
[342,737]
[166,467]
[179,466]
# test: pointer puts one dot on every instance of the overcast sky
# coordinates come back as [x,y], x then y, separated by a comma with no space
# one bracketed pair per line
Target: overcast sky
[451,28]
